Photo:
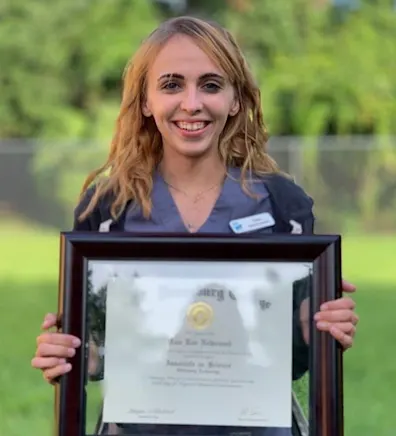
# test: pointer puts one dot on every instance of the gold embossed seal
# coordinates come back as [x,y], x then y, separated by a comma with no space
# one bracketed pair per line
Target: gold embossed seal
[200,315]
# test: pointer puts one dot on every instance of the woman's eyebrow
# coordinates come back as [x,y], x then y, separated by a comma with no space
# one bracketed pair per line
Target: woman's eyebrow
[171,76]
[214,76]
[181,77]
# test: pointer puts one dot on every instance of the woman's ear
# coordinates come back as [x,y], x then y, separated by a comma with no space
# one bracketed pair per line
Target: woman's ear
[145,109]
[234,108]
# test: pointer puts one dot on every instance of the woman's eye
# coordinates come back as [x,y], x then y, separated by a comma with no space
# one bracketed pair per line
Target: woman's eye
[212,87]
[170,86]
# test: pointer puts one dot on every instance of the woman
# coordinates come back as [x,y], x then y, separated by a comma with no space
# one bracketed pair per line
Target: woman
[189,155]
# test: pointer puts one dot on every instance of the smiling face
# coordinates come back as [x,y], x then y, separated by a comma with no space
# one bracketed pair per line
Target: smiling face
[189,97]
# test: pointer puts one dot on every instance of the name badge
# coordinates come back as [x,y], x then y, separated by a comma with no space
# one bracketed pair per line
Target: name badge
[252,223]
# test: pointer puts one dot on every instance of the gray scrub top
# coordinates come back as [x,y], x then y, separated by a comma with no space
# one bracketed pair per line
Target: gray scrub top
[232,204]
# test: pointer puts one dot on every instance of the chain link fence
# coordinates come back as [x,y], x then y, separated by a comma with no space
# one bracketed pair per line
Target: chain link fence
[352,179]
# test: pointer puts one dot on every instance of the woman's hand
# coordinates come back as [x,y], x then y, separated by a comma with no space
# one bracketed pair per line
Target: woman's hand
[53,350]
[337,317]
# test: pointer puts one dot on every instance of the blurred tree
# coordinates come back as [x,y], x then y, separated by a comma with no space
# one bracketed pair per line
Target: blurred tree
[325,73]
[320,73]
[213,9]
[61,61]
[76,92]
[96,311]
[320,76]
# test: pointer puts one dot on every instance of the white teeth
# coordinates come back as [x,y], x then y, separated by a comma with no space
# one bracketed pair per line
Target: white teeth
[190,126]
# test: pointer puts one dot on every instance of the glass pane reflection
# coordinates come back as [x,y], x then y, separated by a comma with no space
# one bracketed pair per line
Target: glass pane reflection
[136,282]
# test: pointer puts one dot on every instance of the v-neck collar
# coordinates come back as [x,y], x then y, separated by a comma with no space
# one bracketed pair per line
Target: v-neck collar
[166,211]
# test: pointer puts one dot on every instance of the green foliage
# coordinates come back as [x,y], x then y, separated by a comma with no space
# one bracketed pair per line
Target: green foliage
[63,60]
[61,169]
[96,304]
[320,75]
[327,73]
[322,71]
[68,85]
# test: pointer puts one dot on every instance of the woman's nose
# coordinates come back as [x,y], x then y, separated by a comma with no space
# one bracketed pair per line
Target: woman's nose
[191,101]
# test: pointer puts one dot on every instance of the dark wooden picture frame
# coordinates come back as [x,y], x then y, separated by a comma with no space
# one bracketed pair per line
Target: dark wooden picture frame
[325,354]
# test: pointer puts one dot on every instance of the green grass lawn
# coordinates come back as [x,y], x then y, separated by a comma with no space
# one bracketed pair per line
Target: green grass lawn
[28,286]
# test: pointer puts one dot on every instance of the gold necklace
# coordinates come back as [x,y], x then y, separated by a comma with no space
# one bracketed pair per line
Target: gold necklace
[191,227]
[198,196]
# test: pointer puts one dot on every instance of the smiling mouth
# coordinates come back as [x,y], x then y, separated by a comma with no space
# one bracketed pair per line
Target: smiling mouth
[192,127]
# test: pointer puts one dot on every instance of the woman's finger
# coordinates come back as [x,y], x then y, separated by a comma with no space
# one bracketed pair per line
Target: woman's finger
[47,362]
[347,327]
[59,339]
[342,332]
[348,287]
[49,350]
[50,320]
[344,339]
[340,303]
[50,374]
[333,316]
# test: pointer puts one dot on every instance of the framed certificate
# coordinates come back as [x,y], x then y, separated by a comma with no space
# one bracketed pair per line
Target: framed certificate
[201,335]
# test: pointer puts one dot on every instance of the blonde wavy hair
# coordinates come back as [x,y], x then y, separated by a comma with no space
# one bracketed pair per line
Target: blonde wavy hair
[136,148]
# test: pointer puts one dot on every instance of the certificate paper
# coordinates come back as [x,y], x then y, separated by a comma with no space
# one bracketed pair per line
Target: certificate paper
[196,343]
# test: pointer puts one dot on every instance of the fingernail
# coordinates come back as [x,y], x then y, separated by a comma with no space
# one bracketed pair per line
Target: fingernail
[67,367]
[317,316]
[322,324]
[324,307]
[62,361]
[76,342]
[71,352]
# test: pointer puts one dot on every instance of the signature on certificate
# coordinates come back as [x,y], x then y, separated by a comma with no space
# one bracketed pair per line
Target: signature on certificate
[249,413]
